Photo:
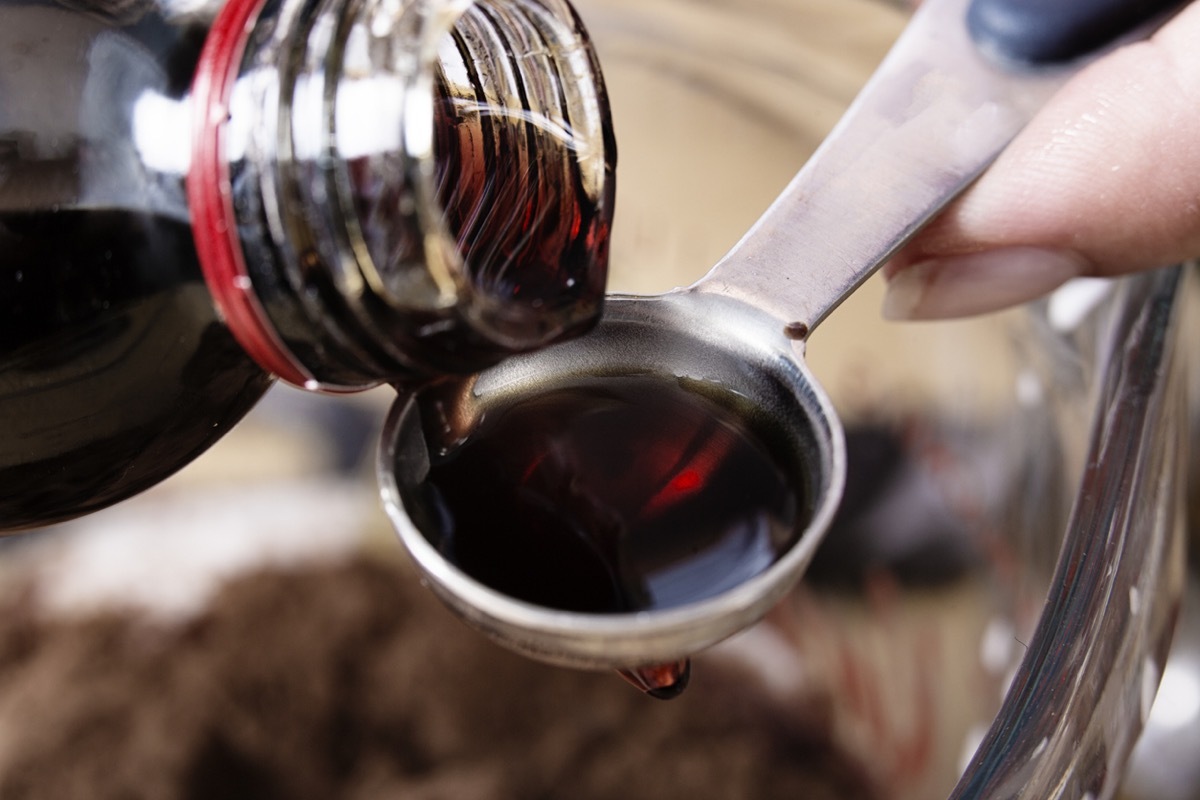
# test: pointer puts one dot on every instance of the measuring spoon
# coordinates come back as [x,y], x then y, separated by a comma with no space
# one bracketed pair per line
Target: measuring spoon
[960,82]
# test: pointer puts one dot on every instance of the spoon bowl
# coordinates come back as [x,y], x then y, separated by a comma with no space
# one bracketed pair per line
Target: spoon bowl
[703,341]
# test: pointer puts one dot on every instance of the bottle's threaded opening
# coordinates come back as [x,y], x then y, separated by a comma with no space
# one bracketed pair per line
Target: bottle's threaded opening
[406,189]
[524,161]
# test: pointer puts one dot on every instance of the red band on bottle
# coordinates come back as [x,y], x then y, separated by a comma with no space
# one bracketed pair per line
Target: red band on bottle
[209,194]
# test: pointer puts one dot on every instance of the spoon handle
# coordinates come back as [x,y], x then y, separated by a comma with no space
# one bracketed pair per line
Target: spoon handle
[963,78]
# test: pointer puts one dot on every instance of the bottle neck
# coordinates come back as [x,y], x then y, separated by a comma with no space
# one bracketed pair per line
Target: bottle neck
[388,191]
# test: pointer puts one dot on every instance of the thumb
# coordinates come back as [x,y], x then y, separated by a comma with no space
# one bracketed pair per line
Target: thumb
[1104,180]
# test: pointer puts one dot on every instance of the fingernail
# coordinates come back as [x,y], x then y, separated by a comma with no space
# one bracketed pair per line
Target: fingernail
[976,283]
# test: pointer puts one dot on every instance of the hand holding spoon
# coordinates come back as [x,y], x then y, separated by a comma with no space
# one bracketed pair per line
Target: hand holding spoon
[961,81]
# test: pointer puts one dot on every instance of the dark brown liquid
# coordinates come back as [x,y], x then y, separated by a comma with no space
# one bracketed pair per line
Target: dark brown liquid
[116,371]
[609,496]
[660,681]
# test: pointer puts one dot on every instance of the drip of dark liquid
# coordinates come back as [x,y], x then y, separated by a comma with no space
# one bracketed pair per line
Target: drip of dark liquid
[661,681]
[610,496]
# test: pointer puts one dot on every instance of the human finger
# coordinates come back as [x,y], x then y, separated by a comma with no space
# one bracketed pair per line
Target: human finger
[1105,180]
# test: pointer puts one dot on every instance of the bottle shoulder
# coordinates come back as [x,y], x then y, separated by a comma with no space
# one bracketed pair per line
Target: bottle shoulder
[115,369]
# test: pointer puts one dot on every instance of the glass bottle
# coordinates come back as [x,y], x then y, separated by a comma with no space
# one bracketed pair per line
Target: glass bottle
[197,196]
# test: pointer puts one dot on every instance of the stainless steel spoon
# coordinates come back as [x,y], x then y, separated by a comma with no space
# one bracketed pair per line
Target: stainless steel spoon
[958,85]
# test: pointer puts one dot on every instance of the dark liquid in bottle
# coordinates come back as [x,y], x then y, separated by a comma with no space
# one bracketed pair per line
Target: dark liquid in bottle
[611,496]
[114,370]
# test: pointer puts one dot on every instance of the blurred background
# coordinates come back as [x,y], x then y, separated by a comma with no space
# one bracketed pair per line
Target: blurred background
[251,629]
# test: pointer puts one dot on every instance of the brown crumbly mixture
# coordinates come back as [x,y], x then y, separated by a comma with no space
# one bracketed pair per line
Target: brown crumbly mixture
[350,681]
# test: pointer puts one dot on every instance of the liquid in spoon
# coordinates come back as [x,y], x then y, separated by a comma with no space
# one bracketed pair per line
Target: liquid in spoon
[608,496]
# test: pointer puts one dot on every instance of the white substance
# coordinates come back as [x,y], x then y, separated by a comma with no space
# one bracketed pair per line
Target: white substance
[167,553]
